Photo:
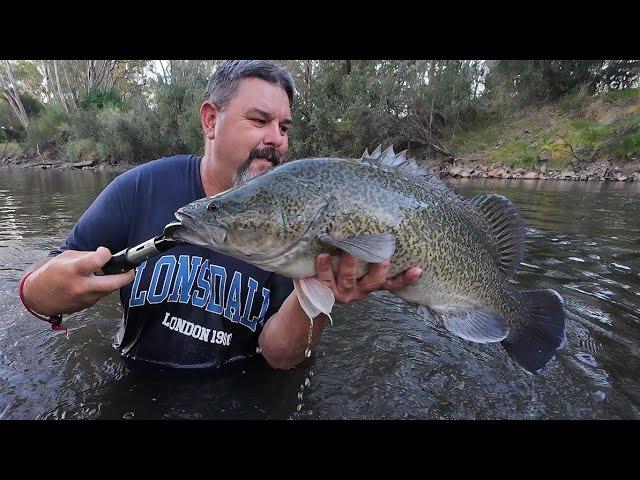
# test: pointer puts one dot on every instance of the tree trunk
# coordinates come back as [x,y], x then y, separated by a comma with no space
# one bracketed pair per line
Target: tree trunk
[46,75]
[59,87]
[73,93]
[11,93]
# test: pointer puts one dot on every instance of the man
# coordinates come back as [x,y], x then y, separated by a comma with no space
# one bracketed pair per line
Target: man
[193,307]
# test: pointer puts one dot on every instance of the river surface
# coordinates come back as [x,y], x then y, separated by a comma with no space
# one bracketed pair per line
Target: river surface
[380,359]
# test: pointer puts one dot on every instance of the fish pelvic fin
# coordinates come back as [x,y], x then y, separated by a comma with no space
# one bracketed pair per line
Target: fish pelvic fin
[505,226]
[314,297]
[533,342]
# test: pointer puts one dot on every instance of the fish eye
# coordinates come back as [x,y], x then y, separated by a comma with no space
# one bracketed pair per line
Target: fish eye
[213,206]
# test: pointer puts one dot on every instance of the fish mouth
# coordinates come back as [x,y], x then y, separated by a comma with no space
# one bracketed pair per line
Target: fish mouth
[188,229]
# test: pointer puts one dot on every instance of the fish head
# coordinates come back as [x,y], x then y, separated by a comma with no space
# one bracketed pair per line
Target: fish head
[258,220]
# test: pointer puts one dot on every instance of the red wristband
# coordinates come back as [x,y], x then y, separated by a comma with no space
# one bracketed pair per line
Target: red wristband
[54,320]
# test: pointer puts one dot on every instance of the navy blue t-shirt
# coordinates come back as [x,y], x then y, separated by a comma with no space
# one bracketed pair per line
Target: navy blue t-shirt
[189,306]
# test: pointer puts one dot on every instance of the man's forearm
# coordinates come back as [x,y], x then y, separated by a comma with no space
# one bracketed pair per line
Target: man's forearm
[28,289]
[285,336]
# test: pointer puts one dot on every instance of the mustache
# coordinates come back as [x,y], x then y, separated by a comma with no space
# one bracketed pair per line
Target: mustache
[268,153]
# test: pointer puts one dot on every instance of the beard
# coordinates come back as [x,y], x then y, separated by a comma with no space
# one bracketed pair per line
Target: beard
[243,173]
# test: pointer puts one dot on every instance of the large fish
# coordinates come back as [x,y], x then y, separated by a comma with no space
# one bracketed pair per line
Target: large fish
[384,206]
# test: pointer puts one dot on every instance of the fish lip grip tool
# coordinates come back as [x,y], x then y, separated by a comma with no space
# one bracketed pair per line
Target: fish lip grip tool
[130,258]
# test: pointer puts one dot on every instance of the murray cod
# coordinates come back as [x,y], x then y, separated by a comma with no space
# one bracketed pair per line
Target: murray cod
[384,206]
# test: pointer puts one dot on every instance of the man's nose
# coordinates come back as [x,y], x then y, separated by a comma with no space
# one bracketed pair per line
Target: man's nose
[273,136]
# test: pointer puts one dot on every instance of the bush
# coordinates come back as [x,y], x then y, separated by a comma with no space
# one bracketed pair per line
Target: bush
[45,129]
[10,149]
[81,150]
[98,99]
[626,146]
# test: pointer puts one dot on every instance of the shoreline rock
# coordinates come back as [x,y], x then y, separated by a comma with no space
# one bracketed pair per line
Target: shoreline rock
[602,170]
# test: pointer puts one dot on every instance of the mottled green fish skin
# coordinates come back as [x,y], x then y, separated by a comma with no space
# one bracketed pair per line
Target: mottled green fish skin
[348,198]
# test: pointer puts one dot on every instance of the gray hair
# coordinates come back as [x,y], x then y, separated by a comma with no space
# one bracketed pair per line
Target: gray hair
[223,83]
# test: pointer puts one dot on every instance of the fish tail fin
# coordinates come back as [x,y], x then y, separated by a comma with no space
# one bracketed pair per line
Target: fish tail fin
[540,331]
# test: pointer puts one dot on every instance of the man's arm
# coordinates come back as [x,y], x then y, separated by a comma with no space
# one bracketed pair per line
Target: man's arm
[66,283]
[285,336]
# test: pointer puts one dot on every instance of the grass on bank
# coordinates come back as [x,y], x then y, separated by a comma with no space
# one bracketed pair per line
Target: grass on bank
[590,128]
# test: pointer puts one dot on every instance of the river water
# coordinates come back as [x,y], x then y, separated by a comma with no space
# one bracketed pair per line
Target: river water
[379,360]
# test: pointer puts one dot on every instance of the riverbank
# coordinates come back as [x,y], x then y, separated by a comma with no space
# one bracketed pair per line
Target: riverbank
[599,171]
[46,163]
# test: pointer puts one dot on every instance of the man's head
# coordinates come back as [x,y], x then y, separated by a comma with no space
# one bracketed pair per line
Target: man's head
[245,116]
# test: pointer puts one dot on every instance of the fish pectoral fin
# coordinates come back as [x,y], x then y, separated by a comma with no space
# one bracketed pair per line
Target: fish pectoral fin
[372,248]
[475,325]
[314,296]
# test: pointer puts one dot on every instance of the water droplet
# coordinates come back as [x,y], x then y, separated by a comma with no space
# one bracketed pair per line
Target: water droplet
[299,395]
[306,382]
[299,407]
[128,415]
[307,352]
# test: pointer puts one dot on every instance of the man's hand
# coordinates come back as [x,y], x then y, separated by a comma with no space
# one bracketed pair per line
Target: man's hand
[347,288]
[66,283]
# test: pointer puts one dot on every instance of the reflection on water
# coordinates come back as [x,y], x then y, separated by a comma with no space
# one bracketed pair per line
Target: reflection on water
[379,360]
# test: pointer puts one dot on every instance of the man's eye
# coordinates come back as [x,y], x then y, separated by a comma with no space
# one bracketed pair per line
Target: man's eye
[260,121]
[284,129]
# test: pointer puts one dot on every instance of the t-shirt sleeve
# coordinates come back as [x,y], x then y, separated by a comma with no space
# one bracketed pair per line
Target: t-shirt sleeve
[105,223]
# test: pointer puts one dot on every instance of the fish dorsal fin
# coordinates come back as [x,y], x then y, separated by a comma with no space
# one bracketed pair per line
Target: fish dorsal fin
[505,228]
[392,161]
[407,167]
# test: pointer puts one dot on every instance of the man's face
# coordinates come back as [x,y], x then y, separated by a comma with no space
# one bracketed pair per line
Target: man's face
[251,132]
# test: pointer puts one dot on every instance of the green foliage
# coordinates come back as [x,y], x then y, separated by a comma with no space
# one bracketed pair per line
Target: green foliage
[80,150]
[624,97]
[10,149]
[45,131]
[588,132]
[97,98]
[10,127]
[515,83]
[575,102]
[516,152]
[344,106]
[628,146]
[32,106]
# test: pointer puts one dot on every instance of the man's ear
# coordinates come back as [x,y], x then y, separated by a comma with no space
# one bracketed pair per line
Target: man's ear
[208,118]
